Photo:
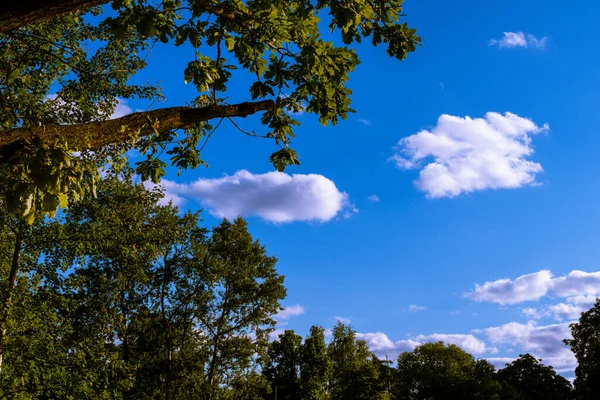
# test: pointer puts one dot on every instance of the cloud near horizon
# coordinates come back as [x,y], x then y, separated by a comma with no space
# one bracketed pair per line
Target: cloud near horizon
[274,196]
[580,290]
[534,286]
[463,155]
[383,347]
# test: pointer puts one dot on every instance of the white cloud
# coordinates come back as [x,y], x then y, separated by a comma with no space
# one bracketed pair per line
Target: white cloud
[383,347]
[505,291]
[274,196]
[499,362]
[122,109]
[343,320]
[289,312]
[274,335]
[466,154]
[577,283]
[519,39]
[416,308]
[468,343]
[532,313]
[545,342]
[572,308]
[365,121]
[579,287]
[374,198]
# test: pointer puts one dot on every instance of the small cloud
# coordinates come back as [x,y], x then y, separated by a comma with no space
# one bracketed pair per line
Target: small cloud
[455,312]
[415,308]
[519,39]
[343,320]
[373,198]
[289,312]
[531,313]
[350,211]
[365,121]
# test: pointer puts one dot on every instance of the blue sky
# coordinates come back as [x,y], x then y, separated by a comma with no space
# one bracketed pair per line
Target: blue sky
[486,199]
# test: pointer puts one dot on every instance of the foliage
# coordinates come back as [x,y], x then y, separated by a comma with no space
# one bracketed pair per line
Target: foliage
[354,367]
[315,366]
[526,378]
[437,371]
[73,69]
[283,366]
[585,344]
[122,297]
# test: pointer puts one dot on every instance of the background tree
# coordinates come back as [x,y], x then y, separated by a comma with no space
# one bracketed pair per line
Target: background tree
[315,366]
[354,367]
[64,65]
[436,371]
[526,378]
[585,344]
[283,366]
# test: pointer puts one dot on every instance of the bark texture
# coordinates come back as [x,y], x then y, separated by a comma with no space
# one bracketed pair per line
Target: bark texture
[17,13]
[94,135]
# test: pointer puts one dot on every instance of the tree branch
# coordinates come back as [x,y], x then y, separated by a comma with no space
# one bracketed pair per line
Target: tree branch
[93,135]
[15,14]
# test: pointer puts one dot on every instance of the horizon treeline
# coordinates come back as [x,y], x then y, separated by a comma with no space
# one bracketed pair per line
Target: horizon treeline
[122,296]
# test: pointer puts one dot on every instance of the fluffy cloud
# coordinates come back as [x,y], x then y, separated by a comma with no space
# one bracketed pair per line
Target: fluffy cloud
[506,291]
[545,342]
[415,308]
[468,343]
[581,289]
[519,39]
[469,154]
[383,347]
[374,198]
[572,308]
[577,283]
[289,312]
[274,196]
[122,109]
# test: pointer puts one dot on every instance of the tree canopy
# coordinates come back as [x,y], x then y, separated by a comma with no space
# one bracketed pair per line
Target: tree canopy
[65,64]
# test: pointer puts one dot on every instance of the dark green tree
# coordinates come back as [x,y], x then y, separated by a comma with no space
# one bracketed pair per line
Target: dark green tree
[436,371]
[315,366]
[526,378]
[354,367]
[585,344]
[283,366]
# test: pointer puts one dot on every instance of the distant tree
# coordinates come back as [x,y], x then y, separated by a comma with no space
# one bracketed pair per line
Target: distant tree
[354,366]
[527,379]
[485,381]
[283,366]
[435,371]
[586,347]
[315,366]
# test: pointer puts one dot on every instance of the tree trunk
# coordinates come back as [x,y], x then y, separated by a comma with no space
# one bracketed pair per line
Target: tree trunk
[94,135]
[17,13]
[7,295]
